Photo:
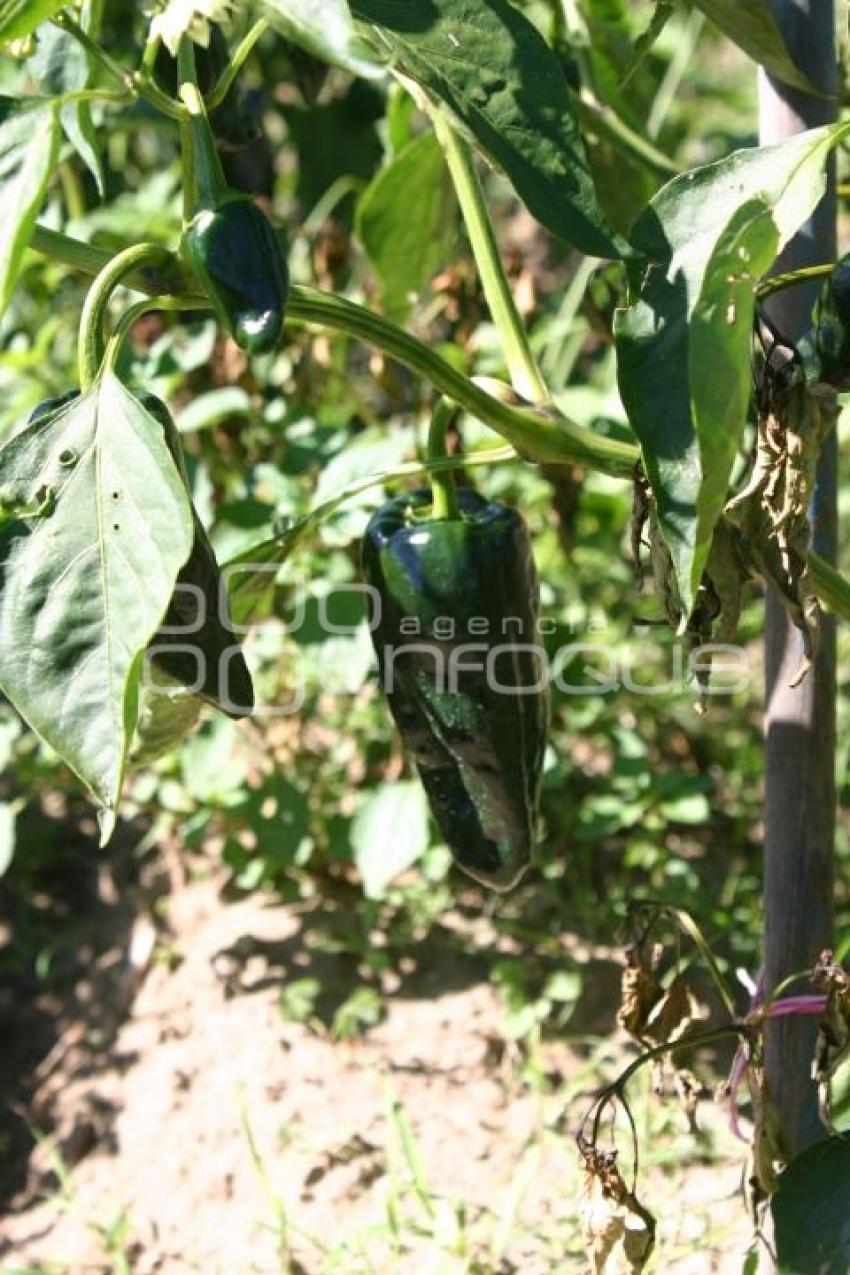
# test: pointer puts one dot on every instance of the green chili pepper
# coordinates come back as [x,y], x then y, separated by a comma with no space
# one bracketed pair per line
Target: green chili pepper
[456,642]
[227,239]
[236,254]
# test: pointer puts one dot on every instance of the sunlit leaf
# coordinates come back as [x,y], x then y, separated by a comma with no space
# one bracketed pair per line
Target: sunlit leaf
[85,585]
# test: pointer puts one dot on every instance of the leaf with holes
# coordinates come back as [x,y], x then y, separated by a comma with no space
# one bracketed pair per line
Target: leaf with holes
[84,586]
[683,343]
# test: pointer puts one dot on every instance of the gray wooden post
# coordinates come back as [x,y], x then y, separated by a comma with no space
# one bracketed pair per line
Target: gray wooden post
[800,724]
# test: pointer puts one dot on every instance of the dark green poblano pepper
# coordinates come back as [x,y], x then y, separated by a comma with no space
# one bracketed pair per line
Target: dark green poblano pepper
[229,241]
[457,643]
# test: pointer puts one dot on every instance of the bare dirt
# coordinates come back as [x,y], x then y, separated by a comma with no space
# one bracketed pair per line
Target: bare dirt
[190,1126]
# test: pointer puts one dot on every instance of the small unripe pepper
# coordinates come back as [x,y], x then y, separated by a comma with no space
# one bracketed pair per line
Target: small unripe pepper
[456,644]
[235,252]
[228,240]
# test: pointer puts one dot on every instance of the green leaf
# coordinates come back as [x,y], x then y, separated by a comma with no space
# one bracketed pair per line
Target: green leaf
[250,576]
[683,345]
[29,143]
[61,65]
[496,73]
[810,1215]
[166,717]
[406,221]
[324,28]
[751,24]
[389,833]
[18,18]
[83,587]
[216,405]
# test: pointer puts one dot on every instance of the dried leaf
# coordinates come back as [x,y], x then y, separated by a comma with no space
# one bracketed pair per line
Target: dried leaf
[619,1233]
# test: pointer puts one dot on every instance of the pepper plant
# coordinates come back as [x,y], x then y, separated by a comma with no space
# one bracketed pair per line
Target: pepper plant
[116,620]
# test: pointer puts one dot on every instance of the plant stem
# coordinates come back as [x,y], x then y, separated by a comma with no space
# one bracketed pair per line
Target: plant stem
[524,373]
[443,487]
[679,64]
[778,282]
[121,98]
[537,435]
[90,349]
[67,24]
[135,84]
[602,119]
[137,311]
[238,59]
[204,182]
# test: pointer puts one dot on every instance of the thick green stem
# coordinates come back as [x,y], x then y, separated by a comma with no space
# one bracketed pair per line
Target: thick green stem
[524,373]
[238,59]
[93,318]
[443,487]
[537,435]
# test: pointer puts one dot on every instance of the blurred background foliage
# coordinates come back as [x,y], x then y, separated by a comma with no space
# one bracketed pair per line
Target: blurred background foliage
[642,797]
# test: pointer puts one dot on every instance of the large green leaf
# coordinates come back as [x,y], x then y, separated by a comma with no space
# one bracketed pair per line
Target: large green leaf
[752,26]
[18,18]
[683,344]
[84,586]
[29,141]
[501,80]
[810,1215]
[406,222]
[324,28]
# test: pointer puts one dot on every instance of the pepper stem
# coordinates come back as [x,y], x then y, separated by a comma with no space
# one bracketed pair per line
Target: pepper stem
[123,327]
[524,372]
[204,182]
[90,350]
[443,490]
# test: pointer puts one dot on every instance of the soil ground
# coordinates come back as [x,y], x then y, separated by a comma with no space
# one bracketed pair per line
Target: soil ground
[187,1125]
